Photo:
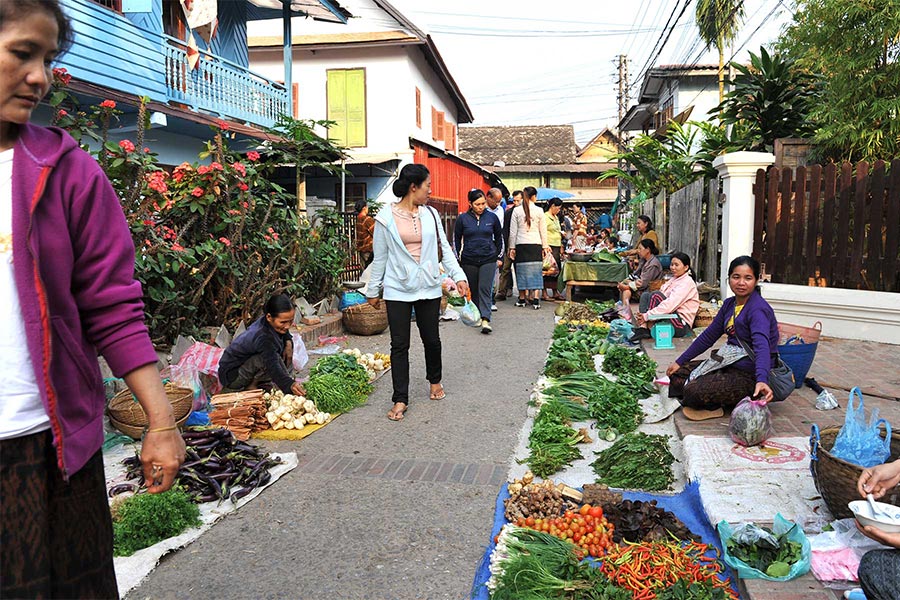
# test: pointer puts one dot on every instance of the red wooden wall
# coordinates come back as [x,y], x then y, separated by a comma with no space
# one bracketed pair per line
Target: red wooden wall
[451,178]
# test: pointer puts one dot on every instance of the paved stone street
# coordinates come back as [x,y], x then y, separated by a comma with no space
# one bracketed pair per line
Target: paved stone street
[378,509]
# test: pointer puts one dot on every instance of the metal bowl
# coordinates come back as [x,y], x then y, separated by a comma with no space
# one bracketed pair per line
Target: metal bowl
[579,257]
[353,285]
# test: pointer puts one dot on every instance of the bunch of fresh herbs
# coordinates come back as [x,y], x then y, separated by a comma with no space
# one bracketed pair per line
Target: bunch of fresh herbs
[615,407]
[337,383]
[145,519]
[636,461]
[762,556]
[621,361]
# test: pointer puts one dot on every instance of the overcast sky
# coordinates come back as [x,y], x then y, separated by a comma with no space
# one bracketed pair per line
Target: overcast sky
[540,62]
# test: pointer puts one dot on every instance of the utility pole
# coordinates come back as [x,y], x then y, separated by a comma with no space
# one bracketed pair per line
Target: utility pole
[622,99]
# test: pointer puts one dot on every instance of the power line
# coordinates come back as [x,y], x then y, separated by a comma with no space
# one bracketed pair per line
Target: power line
[652,59]
[655,45]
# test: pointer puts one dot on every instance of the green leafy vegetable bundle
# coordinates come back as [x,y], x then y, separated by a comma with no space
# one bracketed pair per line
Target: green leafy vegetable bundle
[615,407]
[636,461]
[760,548]
[625,362]
[533,565]
[551,441]
[145,519]
[337,383]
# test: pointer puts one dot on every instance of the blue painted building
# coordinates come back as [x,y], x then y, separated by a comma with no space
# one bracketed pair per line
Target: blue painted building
[128,49]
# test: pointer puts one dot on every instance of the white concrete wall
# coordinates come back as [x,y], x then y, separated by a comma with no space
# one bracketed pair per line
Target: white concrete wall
[699,92]
[433,94]
[367,17]
[849,314]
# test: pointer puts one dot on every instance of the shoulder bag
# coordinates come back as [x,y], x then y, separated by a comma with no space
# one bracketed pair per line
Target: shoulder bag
[437,233]
[781,378]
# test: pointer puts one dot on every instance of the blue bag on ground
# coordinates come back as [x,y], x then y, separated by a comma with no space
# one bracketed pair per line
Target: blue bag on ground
[470,314]
[748,533]
[860,443]
[620,331]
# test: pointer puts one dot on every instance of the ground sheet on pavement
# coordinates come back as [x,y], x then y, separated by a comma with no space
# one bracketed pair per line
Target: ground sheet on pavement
[685,505]
[753,484]
[131,570]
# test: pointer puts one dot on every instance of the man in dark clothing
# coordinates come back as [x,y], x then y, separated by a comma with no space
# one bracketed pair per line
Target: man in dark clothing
[504,287]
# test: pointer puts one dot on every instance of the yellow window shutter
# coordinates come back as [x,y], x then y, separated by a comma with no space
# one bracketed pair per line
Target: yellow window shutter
[337,105]
[356,108]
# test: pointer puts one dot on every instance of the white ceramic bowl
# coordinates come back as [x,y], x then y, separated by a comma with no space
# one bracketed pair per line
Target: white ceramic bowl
[863,513]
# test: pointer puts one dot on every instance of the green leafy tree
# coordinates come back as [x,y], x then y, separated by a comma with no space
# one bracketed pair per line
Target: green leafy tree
[666,163]
[854,46]
[718,22]
[770,99]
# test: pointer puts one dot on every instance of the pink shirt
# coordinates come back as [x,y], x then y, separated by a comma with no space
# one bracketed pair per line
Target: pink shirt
[410,230]
[681,298]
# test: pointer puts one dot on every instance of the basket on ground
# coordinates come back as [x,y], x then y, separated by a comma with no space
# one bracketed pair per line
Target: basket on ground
[365,319]
[705,316]
[129,417]
[799,357]
[836,478]
[809,335]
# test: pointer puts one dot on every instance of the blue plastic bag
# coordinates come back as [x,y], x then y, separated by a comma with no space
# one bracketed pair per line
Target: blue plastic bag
[779,527]
[620,331]
[859,443]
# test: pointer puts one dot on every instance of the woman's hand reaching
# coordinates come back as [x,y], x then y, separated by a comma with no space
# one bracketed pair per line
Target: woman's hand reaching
[763,392]
[373,302]
[879,479]
[672,369]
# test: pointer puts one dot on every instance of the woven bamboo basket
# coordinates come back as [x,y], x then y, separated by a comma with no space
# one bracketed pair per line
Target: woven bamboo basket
[835,478]
[705,317]
[136,432]
[125,410]
[365,319]
[810,335]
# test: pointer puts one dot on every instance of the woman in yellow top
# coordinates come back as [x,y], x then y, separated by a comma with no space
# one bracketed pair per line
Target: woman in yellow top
[645,228]
[554,240]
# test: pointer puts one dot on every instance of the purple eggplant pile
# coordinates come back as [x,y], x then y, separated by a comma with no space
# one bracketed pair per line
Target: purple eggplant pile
[217,466]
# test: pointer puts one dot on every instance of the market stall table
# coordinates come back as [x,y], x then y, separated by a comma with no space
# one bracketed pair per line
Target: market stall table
[601,274]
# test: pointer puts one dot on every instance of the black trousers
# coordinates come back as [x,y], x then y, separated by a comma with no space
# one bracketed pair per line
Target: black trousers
[505,285]
[481,282]
[57,537]
[399,315]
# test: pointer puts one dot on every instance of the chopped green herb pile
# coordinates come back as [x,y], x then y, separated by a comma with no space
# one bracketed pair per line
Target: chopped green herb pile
[636,461]
[625,362]
[615,407]
[145,519]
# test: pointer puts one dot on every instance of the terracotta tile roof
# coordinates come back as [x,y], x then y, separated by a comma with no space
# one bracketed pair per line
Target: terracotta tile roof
[518,144]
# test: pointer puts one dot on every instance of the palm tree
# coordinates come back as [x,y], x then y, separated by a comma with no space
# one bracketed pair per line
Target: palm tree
[718,22]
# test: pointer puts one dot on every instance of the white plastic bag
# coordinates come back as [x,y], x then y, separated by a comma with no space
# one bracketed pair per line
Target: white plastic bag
[470,314]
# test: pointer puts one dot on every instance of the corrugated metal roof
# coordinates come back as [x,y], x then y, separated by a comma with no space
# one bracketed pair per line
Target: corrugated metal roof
[518,144]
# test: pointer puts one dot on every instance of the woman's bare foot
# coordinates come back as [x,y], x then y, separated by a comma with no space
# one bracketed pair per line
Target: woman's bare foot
[437,392]
[396,413]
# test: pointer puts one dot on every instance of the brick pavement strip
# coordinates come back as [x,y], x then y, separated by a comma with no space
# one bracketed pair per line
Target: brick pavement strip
[492,475]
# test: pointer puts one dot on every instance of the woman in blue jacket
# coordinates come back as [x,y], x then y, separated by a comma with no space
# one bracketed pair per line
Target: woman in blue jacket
[410,246]
[750,323]
[478,239]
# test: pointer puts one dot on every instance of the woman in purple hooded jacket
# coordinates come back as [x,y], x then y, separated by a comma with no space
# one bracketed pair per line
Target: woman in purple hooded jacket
[750,324]
[68,293]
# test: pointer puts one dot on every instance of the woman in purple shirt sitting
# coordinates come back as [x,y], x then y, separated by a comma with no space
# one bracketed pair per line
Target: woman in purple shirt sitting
[750,324]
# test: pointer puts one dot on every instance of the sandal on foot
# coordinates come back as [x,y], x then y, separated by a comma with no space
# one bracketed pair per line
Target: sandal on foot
[439,396]
[696,414]
[394,415]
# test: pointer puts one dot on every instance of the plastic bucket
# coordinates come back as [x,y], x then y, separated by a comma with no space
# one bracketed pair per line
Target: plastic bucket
[799,357]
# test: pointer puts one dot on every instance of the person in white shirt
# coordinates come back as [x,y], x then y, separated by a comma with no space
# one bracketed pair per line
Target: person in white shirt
[528,245]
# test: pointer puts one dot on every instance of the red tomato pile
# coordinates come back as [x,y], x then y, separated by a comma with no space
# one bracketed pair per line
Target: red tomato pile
[587,528]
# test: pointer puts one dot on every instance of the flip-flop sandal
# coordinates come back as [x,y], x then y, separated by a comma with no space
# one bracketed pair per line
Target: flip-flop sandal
[442,395]
[694,414]
[396,416]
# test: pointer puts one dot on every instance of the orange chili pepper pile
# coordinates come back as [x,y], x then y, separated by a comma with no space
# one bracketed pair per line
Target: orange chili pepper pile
[650,567]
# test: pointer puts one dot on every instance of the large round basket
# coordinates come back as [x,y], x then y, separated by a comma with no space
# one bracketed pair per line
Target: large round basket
[365,319]
[124,410]
[835,478]
[136,432]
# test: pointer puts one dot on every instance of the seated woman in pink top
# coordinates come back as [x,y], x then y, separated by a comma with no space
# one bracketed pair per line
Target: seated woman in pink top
[678,296]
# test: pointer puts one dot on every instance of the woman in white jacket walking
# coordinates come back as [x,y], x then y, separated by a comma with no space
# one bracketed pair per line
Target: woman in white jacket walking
[528,246]
[409,248]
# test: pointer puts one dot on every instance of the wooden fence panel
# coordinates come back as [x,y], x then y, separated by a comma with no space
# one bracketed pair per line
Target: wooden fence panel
[813,264]
[890,273]
[874,247]
[685,208]
[837,226]
[843,225]
[799,222]
[860,216]
[828,221]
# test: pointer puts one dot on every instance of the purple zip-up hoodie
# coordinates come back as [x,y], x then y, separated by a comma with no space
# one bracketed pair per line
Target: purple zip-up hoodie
[73,260]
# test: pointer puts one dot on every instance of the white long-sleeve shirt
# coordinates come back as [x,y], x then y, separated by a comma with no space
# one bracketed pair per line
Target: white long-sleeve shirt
[521,233]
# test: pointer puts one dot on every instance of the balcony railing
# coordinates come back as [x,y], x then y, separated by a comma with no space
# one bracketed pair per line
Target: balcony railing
[222,87]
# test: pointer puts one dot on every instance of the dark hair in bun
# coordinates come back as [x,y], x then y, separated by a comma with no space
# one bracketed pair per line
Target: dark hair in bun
[649,245]
[409,175]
